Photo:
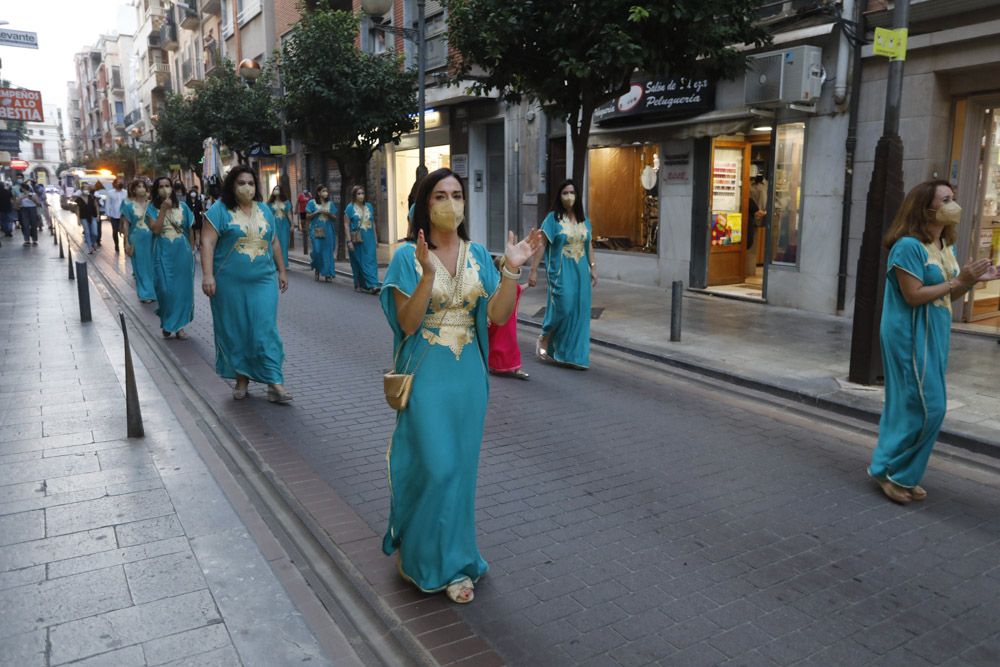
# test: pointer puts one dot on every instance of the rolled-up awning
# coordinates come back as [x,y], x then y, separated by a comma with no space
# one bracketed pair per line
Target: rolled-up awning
[709,124]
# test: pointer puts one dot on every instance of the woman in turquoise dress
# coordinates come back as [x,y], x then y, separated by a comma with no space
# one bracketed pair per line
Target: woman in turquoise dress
[170,221]
[322,216]
[362,244]
[281,209]
[439,292]
[139,239]
[922,278]
[242,273]
[571,274]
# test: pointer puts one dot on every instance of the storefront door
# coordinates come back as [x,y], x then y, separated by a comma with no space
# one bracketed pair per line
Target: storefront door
[984,302]
[496,189]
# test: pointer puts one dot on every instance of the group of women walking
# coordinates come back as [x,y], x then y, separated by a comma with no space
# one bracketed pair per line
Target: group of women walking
[441,296]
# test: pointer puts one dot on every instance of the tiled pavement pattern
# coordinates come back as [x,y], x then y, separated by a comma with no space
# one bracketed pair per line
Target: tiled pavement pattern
[633,518]
[117,551]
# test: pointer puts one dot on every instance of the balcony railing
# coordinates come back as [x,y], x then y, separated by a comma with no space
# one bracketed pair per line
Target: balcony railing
[188,16]
[133,117]
[154,41]
[771,11]
[168,36]
[211,6]
[213,61]
[189,75]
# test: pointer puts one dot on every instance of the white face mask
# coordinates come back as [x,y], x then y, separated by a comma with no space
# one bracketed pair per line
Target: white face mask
[568,200]
[948,214]
[448,215]
[165,192]
[245,192]
[140,192]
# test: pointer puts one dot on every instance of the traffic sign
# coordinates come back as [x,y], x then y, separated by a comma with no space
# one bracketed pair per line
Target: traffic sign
[19,165]
[21,38]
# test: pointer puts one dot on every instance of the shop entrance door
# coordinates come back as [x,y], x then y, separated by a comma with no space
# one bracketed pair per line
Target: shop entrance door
[496,189]
[736,244]
[984,302]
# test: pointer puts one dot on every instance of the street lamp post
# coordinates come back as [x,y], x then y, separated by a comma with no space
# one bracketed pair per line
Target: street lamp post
[376,9]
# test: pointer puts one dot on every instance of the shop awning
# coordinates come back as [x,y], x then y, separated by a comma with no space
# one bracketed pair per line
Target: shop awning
[709,124]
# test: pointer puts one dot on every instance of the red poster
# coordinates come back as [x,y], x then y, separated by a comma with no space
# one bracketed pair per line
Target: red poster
[20,104]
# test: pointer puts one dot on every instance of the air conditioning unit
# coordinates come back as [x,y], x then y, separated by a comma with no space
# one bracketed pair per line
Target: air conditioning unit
[791,76]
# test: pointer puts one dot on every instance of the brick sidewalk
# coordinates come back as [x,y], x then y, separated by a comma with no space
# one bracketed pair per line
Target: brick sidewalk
[118,551]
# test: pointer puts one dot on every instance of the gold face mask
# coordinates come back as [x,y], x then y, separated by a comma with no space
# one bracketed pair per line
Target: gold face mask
[448,215]
[568,200]
[245,192]
[948,214]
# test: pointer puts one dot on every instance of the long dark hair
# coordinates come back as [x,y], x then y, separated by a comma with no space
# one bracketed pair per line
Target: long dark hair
[912,217]
[421,211]
[155,197]
[557,206]
[282,192]
[228,195]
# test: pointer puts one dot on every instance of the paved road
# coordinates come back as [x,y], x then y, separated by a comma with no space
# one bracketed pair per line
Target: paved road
[632,517]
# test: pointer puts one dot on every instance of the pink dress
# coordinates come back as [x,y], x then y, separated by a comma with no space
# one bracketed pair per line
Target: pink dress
[505,355]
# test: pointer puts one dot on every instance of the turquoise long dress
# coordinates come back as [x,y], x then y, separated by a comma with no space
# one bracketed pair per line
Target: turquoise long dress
[915,358]
[282,213]
[173,267]
[323,248]
[567,308]
[245,305]
[434,452]
[140,237]
[364,257]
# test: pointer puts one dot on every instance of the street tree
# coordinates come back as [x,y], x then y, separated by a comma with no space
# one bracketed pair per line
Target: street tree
[572,56]
[339,100]
[238,113]
[180,131]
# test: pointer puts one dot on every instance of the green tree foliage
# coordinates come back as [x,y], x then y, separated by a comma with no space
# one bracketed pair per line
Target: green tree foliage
[339,99]
[237,113]
[574,55]
[180,131]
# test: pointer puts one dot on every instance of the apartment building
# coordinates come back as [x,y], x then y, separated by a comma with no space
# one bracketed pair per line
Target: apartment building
[42,148]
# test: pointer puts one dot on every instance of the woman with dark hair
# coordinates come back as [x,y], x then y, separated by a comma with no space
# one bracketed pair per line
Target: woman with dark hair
[243,271]
[170,221]
[322,216]
[921,280]
[440,291]
[197,207]
[87,209]
[139,239]
[281,209]
[571,274]
[362,243]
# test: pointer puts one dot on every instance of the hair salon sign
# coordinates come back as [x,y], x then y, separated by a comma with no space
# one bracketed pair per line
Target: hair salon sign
[674,97]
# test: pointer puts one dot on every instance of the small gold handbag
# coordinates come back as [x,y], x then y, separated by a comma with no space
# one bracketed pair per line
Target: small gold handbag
[398,386]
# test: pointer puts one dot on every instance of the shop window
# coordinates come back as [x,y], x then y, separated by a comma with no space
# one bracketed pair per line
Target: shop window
[623,214]
[787,200]
[38,150]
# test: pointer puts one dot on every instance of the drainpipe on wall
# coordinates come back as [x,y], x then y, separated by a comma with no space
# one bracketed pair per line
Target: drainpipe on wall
[850,145]
[843,53]
[542,165]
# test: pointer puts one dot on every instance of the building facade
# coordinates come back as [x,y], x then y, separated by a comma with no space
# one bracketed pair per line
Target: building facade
[42,148]
[100,96]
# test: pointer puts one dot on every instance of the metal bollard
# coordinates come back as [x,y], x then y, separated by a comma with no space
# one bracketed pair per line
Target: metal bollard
[61,254]
[676,294]
[69,253]
[83,291]
[133,414]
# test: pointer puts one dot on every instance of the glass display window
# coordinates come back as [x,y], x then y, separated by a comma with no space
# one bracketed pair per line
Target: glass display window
[786,200]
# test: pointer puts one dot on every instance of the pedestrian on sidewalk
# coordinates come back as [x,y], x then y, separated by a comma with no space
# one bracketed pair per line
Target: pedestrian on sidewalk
[194,202]
[170,220]
[113,206]
[281,209]
[505,353]
[7,213]
[322,216]
[28,213]
[921,280]
[243,271]
[43,206]
[139,239]
[362,242]
[98,187]
[439,292]
[87,210]
[571,274]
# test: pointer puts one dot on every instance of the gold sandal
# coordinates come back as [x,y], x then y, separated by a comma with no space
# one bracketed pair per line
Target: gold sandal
[918,493]
[461,591]
[894,492]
